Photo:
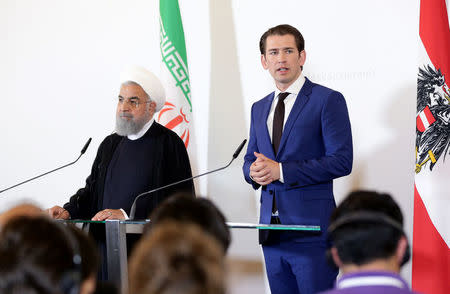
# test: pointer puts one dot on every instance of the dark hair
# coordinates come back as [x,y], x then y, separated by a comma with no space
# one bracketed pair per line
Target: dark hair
[88,251]
[282,30]
[36,256]
[200,211]
[177,258]
[366,226]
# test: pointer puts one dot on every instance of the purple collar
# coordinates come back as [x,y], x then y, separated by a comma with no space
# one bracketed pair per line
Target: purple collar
[372,278]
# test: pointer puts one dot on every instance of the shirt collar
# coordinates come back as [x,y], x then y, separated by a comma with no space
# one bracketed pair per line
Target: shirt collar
[371,279]
[142,131]
[294,88]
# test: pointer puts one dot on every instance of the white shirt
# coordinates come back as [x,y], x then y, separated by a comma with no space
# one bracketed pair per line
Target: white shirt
[289,101]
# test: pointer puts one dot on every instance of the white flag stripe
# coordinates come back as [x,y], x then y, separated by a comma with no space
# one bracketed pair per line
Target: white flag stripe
[424,119]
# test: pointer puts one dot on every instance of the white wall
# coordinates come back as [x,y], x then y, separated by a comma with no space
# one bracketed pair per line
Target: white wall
[60,62]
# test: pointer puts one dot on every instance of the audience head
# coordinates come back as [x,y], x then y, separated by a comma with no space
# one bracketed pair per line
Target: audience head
[38,255]
[367,232]
[177,258]
[20,210]
[184,208]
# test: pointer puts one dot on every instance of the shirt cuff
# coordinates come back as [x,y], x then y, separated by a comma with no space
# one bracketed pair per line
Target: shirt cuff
[124,214]
[281,173]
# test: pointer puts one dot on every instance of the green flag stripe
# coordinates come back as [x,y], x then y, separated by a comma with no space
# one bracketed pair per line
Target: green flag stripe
[172,45]
[171,20]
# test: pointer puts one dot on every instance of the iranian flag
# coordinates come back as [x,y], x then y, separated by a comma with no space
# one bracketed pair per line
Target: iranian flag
[177,112]
[431,234]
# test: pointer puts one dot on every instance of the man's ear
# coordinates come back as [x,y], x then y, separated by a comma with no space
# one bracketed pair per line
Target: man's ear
[335,256]
[152,105]
[264,61]
[151,108]
[302,58]
[402,246]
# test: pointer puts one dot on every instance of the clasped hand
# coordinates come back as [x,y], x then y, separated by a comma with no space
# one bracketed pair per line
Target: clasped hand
[264,170]
[58,212]
[108,214]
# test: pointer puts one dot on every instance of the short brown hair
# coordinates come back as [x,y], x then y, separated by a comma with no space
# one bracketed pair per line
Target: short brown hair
[37,256]
[281,30]
[183,208]
[177,258]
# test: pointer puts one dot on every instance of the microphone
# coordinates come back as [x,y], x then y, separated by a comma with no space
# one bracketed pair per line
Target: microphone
[238,150]
[85,147]
[21,183]
[235,155]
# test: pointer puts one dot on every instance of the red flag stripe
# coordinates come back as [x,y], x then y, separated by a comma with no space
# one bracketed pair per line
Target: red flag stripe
[435,34]
[162,112]
[186,143]
[174,122]
[419,124]
[431,255]
[429,115]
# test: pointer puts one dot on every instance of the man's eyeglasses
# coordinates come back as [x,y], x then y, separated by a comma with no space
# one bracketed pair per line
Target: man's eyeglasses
[133,102]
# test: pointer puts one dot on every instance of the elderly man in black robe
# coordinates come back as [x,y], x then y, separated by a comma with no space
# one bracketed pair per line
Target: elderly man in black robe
[140,156]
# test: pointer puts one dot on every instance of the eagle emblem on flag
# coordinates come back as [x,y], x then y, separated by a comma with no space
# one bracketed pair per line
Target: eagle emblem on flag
[433,117]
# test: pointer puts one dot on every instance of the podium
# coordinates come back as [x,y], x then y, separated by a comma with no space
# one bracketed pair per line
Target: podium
[116,246]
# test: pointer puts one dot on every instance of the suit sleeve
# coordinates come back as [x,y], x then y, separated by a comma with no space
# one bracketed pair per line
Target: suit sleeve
[337,138]
[249,157]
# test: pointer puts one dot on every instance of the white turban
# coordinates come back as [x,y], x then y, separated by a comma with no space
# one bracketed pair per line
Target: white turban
[149,83]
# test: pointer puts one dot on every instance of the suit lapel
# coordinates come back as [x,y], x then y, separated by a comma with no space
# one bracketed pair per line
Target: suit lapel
[300,102]
[265,135]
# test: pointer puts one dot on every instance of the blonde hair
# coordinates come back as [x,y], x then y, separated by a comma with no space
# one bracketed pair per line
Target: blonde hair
[177,258]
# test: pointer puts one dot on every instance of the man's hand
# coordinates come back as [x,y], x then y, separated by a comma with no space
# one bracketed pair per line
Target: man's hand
[264,170]
[58,212]
[108,214]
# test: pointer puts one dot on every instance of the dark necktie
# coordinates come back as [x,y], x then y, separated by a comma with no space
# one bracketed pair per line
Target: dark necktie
[278,120]
[277,131]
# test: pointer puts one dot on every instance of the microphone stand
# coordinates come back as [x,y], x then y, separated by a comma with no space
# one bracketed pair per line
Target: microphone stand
[235,155]
[66,165]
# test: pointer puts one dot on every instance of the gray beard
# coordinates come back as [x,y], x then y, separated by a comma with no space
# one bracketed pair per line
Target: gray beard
[126,127]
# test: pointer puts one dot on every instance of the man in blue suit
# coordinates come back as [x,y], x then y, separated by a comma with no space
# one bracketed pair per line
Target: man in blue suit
[300,140]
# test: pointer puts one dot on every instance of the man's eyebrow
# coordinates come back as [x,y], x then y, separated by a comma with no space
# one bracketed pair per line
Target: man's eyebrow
[283,48]
[130,98]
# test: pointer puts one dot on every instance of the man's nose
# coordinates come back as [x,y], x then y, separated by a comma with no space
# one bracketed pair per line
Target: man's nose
[124,106]
[282,57]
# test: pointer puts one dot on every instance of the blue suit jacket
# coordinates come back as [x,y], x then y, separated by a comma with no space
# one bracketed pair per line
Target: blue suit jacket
[315,148]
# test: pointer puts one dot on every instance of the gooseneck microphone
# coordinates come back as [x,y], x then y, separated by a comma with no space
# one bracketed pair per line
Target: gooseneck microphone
[235,155]
[85,147]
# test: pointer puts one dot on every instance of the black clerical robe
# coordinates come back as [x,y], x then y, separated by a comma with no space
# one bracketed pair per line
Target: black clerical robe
[168,163]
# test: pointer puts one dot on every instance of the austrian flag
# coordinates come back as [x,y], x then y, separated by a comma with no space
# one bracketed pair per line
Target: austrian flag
[431,233]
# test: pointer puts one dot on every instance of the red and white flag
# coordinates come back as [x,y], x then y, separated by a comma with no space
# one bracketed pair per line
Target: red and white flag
[431,234]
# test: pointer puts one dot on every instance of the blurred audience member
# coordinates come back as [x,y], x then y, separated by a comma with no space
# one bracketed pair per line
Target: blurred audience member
[38,256]
[200,211]
[177,258]
[369,244]
[24,209]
